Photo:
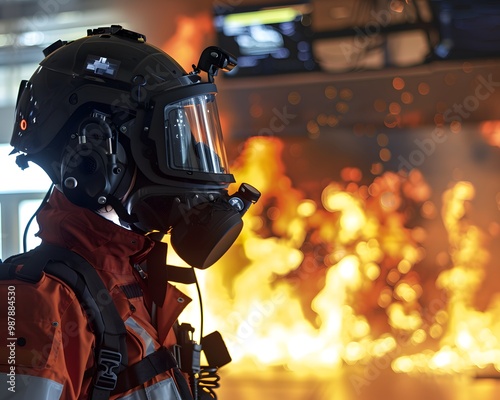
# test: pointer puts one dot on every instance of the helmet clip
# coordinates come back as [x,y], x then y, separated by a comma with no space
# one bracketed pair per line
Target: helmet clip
[118,31]
[214,58]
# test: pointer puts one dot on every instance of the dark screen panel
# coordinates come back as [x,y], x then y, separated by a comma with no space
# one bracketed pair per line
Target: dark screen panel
[267,40]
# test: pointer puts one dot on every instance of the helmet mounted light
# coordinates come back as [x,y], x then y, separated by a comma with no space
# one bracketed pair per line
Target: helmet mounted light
[214,58]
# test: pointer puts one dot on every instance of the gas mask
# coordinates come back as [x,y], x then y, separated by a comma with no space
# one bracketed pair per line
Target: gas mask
[184,193]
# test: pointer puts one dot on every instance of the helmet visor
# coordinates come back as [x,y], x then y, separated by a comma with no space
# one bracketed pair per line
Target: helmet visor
[194,136]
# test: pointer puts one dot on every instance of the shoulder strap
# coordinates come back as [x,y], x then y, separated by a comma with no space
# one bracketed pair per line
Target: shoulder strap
[103,317]
[113,375]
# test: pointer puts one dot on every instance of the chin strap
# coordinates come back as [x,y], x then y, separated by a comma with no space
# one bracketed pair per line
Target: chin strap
[121,211]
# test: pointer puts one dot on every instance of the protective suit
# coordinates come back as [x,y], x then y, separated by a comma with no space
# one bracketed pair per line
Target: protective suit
[56,358]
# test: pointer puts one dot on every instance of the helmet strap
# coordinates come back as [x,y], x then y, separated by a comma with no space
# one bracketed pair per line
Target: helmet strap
[121,211]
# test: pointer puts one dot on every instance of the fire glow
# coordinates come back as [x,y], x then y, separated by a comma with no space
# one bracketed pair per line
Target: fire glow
[312,285]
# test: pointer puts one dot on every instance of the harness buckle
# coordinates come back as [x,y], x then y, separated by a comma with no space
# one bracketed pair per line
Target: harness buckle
[108,361]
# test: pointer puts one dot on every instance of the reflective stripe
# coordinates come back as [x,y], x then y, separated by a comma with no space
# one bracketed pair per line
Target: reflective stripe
[29,387]
[163,390]
[147,339]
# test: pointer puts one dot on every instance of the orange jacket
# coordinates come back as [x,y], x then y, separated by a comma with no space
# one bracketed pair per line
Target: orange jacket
[46,347]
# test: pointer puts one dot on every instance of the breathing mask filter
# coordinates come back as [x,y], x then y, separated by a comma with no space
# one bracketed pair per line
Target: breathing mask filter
[209,229]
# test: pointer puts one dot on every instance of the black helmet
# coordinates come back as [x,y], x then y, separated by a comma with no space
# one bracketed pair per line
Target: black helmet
[116,121]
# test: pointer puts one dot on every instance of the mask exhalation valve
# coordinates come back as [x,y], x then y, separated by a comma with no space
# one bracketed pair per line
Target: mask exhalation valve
[208,230]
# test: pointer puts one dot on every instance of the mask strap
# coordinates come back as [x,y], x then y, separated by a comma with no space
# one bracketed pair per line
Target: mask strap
[157,272]
[121,210]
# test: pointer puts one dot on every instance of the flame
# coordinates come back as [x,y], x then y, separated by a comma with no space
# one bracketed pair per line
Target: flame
[470,339]
[186,44]
[314,284]
[288,291]
[490,130]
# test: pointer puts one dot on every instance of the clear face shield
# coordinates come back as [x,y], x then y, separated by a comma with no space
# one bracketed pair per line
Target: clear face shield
[193,136]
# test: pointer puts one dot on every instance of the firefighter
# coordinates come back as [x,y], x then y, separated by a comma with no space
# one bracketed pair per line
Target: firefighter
[133,146]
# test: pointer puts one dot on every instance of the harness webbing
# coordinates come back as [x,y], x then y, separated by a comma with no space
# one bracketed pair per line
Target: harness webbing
[112,372]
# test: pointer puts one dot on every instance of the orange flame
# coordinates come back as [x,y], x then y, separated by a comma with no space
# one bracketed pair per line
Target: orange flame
[186,44]
[288,290]
[490,130]
[315,284]
[469,338]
